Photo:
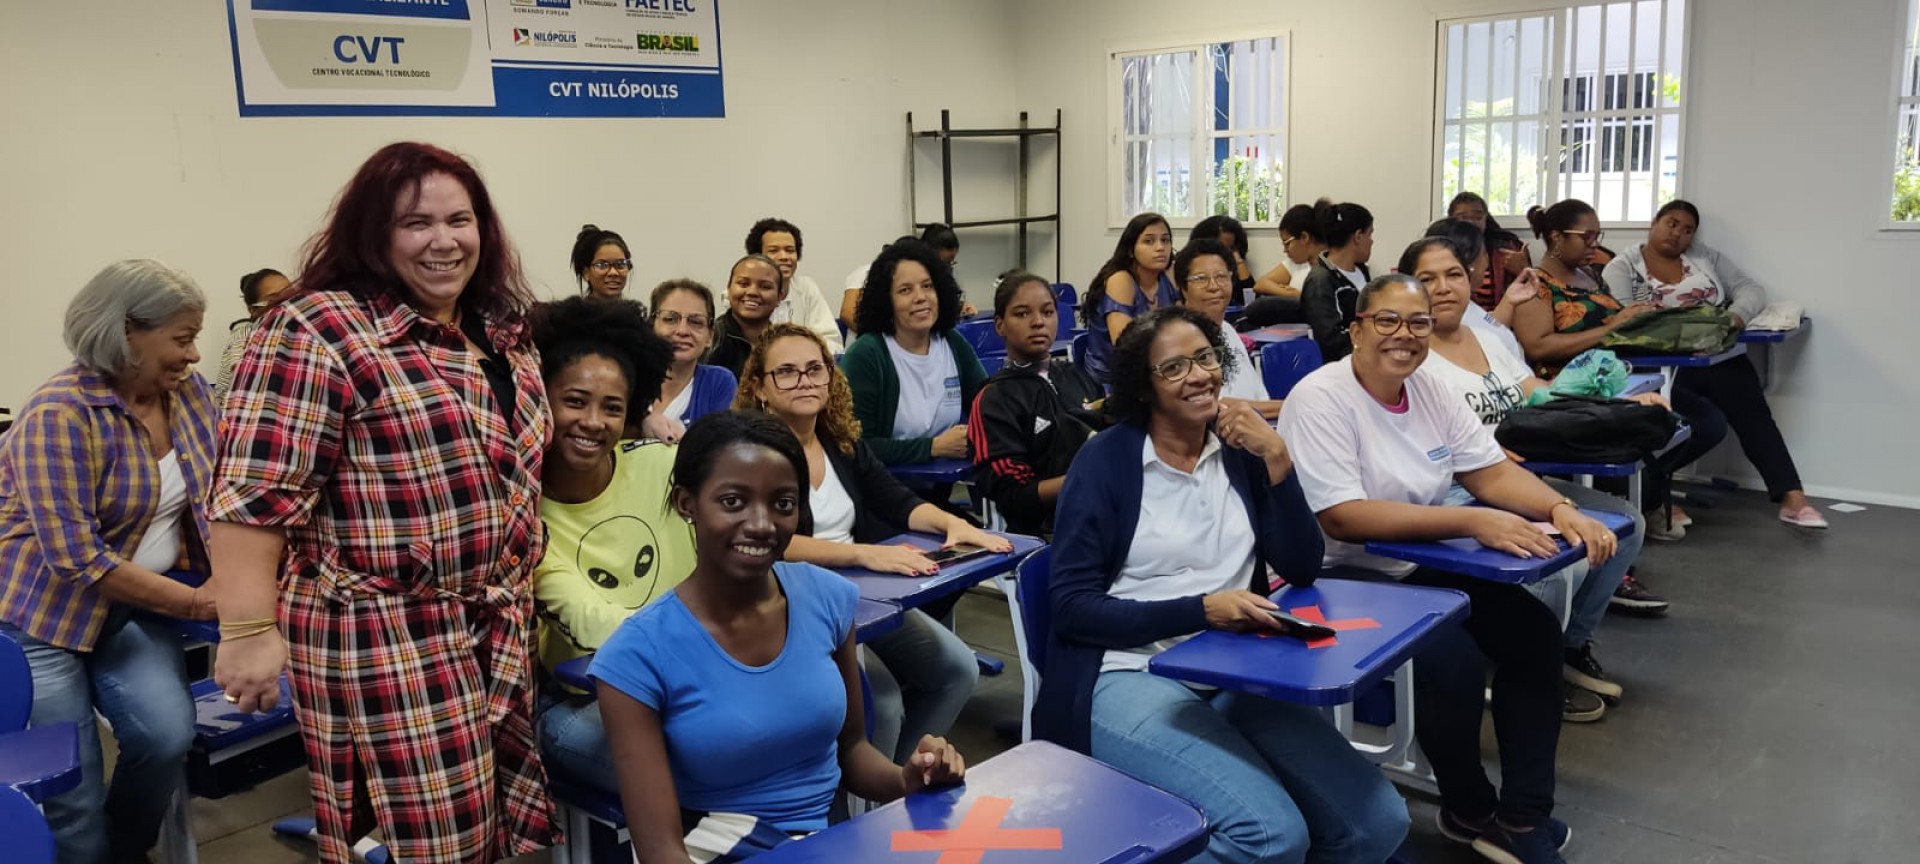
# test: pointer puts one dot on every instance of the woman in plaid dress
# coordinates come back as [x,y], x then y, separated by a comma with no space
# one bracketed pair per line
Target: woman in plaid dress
[382,458]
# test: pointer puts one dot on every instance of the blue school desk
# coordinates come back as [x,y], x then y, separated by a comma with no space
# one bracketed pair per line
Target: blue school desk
[1774,337]
[913,592]
[1380,624]
[1034,804]
[934,473]
[1467,557]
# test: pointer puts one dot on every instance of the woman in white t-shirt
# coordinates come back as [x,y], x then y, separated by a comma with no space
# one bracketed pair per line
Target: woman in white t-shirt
[856,505]
[1493,380]
[1204,273]
[1377,442]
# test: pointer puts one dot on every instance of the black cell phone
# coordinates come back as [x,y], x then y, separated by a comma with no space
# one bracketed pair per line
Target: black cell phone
[1301,628]
[955,554]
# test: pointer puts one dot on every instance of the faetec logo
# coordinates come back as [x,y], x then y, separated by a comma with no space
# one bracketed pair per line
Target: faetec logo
[679,6]
[545,4]
[672,42]
[545,38]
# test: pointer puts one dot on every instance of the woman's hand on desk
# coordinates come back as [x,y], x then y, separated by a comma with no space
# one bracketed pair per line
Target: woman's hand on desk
[1239,611]
[961,531]
[1498,529]
[1582,530]
[933,764]
[1654,399]
[898,560]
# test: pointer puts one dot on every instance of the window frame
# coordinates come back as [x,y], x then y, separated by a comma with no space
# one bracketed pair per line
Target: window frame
[1202,138]
[1909,29]
[1554,113]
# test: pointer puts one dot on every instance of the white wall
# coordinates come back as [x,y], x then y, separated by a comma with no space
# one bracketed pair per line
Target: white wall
[1788,130]
[122,139]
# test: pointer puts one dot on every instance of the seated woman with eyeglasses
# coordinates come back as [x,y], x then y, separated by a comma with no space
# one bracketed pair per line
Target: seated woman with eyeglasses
[683,315]
[1032,415]
[913,375]
[612,544]
[1378,441]
[733,704]
[601,261]
[928,672]
[1178,511]
[1204,273]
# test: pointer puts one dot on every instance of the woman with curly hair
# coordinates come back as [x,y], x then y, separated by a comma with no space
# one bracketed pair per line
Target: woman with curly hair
[913,376]
[613,545]
[857,504]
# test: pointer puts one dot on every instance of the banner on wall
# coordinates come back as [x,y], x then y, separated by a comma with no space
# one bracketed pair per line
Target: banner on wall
[501,58]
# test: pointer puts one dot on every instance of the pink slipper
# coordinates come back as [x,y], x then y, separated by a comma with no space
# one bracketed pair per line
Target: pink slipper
[1680,517]
[1805,517]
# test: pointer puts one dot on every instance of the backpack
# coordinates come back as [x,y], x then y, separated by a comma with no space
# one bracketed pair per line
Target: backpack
[1685,330]
[1587,430]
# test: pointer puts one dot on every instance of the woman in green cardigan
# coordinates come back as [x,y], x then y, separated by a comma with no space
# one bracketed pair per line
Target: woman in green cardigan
[913,377]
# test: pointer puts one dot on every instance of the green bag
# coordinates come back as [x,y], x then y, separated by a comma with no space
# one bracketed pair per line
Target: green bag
[1596,372]
[1689,330]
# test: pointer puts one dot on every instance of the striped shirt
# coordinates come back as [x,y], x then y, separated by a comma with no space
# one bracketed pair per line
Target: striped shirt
[79,486]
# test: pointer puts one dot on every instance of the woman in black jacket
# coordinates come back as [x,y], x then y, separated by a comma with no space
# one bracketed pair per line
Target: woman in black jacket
[856,504]
[1033,415]
[1333,286]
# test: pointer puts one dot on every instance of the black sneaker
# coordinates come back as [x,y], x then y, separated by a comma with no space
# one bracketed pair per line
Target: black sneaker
[1633,598]
[1583,671]
[1580,706]
[1465,831]
[1541,845]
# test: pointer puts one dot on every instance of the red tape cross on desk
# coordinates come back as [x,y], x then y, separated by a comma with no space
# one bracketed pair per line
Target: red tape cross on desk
[977,834]
[1313,613]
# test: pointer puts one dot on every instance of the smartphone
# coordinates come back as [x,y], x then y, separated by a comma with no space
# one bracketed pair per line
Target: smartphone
[955,554]
[1301,628]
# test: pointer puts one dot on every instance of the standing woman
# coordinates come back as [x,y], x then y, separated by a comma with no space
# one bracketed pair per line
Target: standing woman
[913,376]
[1673,270]
[259,289]
[755,288]
[1328,298]
[1133,282]
[601,262]
[1277,294]
[683,315]
[103,487]
[382,461]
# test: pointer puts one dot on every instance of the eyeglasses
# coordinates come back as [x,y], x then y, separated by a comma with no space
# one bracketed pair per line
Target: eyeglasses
[621,264]
[790,378]
[1221,280]
[1592,237]
[1179,368]
[1389,323]
[672,319]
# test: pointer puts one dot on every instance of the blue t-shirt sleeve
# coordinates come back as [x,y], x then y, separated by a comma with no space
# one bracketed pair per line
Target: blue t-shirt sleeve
[829,598]
[626,660]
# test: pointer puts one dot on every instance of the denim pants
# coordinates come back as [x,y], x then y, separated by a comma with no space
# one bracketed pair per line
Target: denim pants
[135,677]
[573,741]
[1276,781]
[924,678]
[1590,600]
[1514,630]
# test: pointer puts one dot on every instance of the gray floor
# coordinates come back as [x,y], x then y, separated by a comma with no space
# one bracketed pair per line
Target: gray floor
[1761,721]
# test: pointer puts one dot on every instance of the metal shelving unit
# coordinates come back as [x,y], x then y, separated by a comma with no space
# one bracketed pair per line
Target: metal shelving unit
[1023,135]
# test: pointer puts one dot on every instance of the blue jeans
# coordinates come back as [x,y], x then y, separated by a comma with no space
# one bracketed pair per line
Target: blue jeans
[1276,781]
[135,677]
[923,680]
[1590,601]
[573,741]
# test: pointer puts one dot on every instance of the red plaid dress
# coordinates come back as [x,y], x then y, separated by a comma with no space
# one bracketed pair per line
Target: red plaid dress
[370,434]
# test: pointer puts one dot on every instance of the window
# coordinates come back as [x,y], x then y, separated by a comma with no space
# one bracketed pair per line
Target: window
[1581,102]
[1906,135]
[1201,130]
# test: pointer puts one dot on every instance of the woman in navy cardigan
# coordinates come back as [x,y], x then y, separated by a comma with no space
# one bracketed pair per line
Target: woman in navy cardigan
[1178,512]
[683,315]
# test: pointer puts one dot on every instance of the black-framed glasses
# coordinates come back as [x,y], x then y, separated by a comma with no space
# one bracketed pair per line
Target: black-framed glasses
[1179,368]
[621,264]
[673,319]
[790,378]
[1389,323]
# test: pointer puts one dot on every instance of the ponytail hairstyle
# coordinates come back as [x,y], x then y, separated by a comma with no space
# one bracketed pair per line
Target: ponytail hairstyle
[588,243]
[1559,218]
[1337,223]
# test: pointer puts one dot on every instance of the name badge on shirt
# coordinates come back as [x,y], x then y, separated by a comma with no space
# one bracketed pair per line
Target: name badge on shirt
[1439,454]
[953,388]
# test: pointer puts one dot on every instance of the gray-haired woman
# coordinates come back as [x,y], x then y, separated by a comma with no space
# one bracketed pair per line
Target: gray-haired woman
[103,483]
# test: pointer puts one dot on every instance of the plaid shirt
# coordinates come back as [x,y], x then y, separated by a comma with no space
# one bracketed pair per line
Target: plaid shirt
[410,504]
[78,488]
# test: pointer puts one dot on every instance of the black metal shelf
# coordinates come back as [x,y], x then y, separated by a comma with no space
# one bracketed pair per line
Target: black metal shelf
[1022,134]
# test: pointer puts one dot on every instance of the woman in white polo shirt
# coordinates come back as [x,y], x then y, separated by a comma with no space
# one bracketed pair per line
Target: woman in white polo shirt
[1377,443]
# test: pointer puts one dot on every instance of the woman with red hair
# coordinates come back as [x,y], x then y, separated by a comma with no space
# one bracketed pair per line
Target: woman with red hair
[381,461]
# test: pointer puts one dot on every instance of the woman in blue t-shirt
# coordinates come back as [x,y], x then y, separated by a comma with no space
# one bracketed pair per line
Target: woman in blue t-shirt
[1132,283]
[733,705]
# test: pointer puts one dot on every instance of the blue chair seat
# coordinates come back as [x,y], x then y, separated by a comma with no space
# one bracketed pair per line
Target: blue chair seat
[232,751]
[23,831]
[42,761]
[1283,364]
